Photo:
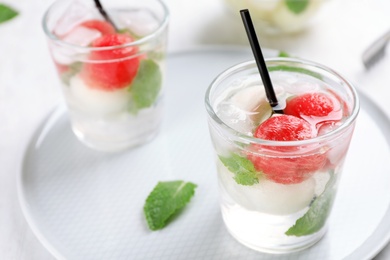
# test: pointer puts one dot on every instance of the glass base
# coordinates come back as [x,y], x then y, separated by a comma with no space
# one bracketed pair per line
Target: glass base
[106,145]
[252,232]
[282,249]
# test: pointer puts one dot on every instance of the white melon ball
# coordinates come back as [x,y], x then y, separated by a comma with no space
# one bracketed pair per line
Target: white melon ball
[254,102]
[249,98]
[267,196]
[289,21]
[95,101]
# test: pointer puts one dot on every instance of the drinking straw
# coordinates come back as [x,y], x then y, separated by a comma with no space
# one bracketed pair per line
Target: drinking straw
[256,49]
[104,13]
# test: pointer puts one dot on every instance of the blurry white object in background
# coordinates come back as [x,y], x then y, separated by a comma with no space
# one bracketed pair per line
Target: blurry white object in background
[279,16]
[376,50]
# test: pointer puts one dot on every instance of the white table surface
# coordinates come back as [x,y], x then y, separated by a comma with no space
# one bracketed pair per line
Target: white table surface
[28,83]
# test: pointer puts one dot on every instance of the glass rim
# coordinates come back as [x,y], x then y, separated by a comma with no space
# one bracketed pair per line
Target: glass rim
[51,36]
[243,138]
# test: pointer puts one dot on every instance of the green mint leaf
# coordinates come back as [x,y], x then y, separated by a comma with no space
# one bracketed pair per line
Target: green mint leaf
[7,13]
[166,199]
[297,6]
[243,169]
[283,54]
[72,70]
[315,218]
[146,85]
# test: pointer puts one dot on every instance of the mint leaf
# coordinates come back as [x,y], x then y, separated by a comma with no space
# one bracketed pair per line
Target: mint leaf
[146,85]
[72,70]
[283,54]
[6,13]
[297,6]
[315,218]
[165,200]
[243,169]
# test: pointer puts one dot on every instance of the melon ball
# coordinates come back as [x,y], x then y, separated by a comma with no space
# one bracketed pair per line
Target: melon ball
[267,196]
[95,101]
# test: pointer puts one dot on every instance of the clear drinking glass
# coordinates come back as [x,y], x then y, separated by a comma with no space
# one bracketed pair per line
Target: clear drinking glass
[111,69]
[278,16]
[276,194]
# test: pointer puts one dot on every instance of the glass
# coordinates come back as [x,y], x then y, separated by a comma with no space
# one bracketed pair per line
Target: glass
[278,16]
[276,194]
[111,73]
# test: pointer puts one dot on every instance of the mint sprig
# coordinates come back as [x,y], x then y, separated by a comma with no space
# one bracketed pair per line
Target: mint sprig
[283,54]
[297,6]
[146,85]
[315,218]
[243,169]
[166,199]
[7,13]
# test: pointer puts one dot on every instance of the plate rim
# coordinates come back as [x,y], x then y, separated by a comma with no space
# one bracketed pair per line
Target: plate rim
[58,110]
[32,138]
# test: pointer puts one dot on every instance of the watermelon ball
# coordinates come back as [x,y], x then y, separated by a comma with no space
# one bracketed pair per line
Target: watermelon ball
[111,69]
[284,128]
[314,107]
[282,169]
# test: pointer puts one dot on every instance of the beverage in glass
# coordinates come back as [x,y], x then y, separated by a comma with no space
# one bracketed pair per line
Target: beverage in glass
[278,173]
[110,64]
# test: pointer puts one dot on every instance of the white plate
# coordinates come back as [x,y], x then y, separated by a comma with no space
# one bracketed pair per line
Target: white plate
[83,204]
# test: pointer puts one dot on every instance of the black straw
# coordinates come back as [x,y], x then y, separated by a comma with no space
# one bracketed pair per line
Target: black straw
[104,13]
[250,31]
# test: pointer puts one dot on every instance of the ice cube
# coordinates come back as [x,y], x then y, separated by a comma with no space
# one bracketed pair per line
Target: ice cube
[236,111]
[235,117]
[295,84]
[267,196]
[141,22]
[76,12]
[79,36]
[82,36]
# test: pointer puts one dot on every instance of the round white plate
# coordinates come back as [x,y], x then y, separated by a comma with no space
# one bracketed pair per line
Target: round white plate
[83,204]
